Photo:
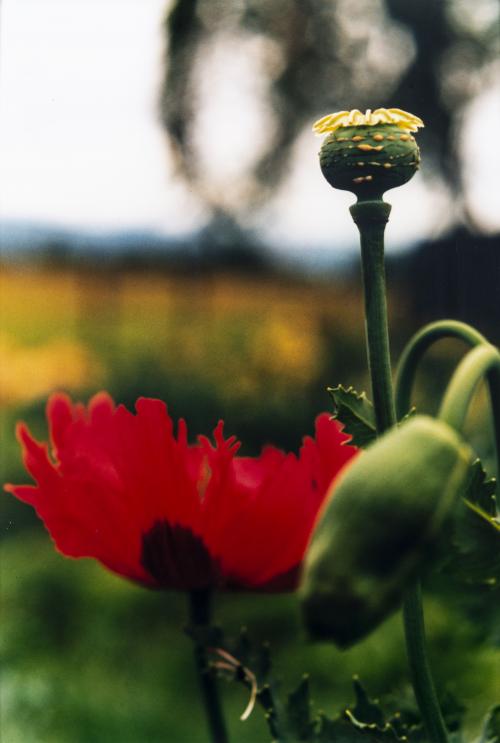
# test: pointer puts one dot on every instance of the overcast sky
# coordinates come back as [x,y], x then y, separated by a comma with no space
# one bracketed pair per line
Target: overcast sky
[81,145]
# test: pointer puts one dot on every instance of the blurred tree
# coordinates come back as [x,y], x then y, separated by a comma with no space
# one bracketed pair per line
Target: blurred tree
[299,59]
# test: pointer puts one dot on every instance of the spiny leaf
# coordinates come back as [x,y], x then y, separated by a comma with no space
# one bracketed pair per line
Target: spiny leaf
[293,719]
[404,722]
[367,716]
[412,411]
[477,536]
[298,711]
[483,531]
[266,699]
[365,709]
[355,412]
[491,729]
[481,491]
[339,731]
[343,730]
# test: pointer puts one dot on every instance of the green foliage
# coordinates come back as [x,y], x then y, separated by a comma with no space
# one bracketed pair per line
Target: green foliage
[87,656]
[481,490]
[365,709]
[491,729]
[355,412]
[475,544]
[296,719]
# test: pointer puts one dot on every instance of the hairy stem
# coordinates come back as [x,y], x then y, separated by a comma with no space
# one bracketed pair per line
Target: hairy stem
[423,685]
[371,218]
[199,612]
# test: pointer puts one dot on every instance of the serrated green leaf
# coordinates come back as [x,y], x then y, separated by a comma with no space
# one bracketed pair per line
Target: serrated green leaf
[473,552]
[491,728]
[339,731]
[412,411]
[356,413]
[479,549]
[345,730]
[265,697]
[368,719]
[366,710]
[294,720]
[298,710]
[385,733]
[403,715]
[481,490]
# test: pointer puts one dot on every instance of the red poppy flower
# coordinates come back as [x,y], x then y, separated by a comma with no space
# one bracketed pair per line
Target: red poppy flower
[122,488]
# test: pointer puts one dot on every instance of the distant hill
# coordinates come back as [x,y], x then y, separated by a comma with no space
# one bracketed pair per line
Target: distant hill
[218,246]
[20,236]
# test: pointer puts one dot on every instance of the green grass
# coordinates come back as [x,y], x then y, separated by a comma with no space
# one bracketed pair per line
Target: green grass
[90,658]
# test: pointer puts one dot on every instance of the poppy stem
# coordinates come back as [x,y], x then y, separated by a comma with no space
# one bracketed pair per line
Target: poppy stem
[371,218]
[200,614]
[416,348]
[482,362]
[457,396]
[423,683]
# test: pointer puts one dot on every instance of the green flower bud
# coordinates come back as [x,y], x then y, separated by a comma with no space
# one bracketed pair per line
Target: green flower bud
[380,520]
[369,153]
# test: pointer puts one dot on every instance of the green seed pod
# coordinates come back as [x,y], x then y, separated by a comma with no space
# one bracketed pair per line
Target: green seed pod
[369,153]
[379,522]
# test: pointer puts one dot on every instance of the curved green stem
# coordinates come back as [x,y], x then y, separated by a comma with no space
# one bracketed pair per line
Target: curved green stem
[421,342]
[478,363]
[416,348]
[199,612]
[371,218]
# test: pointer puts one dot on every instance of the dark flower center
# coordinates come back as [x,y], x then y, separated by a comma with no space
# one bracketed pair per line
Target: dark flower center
[177,558]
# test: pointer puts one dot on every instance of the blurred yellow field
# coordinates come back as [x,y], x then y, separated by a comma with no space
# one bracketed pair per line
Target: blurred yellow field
[65,328]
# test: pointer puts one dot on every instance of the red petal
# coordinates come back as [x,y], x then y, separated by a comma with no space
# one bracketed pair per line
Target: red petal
[269,505]
[117,475]
[35,457]
[60,416]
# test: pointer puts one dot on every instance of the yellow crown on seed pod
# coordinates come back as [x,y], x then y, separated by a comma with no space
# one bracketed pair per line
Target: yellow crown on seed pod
[403,119]
[369,153]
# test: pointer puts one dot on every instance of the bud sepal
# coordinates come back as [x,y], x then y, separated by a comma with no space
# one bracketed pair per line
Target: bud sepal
[379,523]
